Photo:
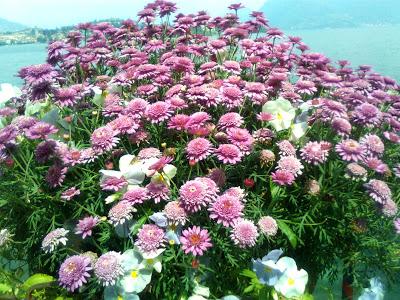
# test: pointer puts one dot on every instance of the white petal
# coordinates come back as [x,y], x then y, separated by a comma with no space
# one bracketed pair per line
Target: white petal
[286,264]
[170,171]
[110,173]
[125,162]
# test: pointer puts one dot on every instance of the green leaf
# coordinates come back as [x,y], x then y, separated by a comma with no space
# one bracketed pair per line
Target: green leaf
[288,232]
[37,279]
[307,297]
[5,289]
[248,273]
[249,289]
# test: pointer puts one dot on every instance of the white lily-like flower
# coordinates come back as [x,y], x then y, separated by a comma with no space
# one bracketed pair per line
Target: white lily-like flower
[8,91]
[136,277]
[152,260]
[283,112]
[292,282]
[168,171]
[298,130]
[130,168]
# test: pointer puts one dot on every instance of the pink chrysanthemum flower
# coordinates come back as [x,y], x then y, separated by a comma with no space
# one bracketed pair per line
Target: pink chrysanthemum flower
[376,164]
[197,120]
[150,238]
[229,120]
[136,195]
[124,124]
[244,233]
[305,87]
[70,193]
[282,177]
[291,164]
[103,139]
[73,272]
[378,190]
[226,210]
[218,176]
[241,138]
[195,240]
[286,148]
[315,152]
[178,122]
[236,192]
[150,152]
[113,184]
[175,213]
[136,107]
[341,126]
[198,149]
[228,154]
[40,130]
[158,112]
[373,144]
[265,117]
[367,114]
[231,96]
[120,213]
[231,66]
[396,170]
[86,225]
[268,226]
[389,208]
[193,195]
[54,238]
[356,172]
[158,191]
[255,91]
[55,175]
[65,97]
[108,268]
[212,188]
[350,150]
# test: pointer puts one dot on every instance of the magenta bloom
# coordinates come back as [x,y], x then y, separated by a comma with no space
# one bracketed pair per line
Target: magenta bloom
[229,120]
[229,154]
[55,175]
[378,190]
[373,144]
[113,184]
[178,122]
[175,213]
[86,225]
[315,152]
[282,177]
[158,112]
[290,164]
[70,193]
[103,139]
[226,210]
[150,238]
[120,213]
[231,96]
[268,226]
[158,191]
[198,149]
[244,233]
[197,120]
[74,272]
[396,223]
[367,114]
[195,240]
[136,195]
[150,152]
[108,268]
[65,97]
[193,195]
[40,130]
[350,150]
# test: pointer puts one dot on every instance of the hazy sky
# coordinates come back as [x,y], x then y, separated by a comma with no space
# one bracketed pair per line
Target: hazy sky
[52,13]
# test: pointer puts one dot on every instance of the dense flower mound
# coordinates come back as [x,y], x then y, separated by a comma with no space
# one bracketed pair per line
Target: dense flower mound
[158,158]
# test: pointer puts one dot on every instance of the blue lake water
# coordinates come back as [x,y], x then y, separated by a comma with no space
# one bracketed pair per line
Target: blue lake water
[378,46]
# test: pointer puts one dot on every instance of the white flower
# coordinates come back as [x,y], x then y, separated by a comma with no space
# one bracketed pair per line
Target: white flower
[283,112]
[4,237]
[298,130]
[152,260]
[375,292]
[136,276]
[130,168]
[292,282]
[8,91]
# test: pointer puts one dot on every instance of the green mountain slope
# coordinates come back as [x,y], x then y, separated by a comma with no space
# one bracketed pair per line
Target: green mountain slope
[8,26]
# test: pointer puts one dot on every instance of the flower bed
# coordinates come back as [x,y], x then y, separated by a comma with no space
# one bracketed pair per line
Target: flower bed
[202,159]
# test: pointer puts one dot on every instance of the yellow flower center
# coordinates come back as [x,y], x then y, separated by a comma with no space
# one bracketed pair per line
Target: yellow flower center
[171,242]
[290,281]
[134,274]
[150,261]
[279,116]
[120,297]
